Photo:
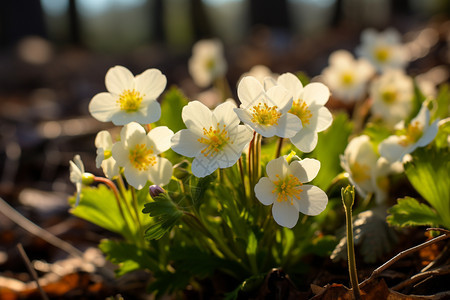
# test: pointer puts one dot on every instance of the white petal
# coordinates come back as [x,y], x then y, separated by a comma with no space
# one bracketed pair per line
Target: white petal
[151,83]
[204,165]
[225,115]
[138,179]
[161,172]
[391,149]
[110,167]
[250,91]
[161,136]
[312,200]
[243,136]
[285,214]
[291,82]
[305,170]
[263,191]
[120,153]
[197,116]
[103,140]
[305,140]
[316,92]
[429,134]
[280,97]
[185,142]
[100,157]
[132,134]
[321,119]
[103,106]
[288,126]
[150,111]
[277,166]
[118,79]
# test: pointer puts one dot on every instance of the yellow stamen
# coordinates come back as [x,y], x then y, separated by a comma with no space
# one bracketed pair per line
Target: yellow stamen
[265,115]
[215,139]
[130,100]
[301,110]
[210,64]
[347,78]
[382,54]
[142,157]
[107,154]
[360,172]
[287,189]
[389,96]
[412,134]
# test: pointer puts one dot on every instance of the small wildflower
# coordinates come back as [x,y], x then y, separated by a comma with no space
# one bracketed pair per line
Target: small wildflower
[285,188]
[137,153]
[78,176]
[129,98]
[266,111]
[104,159]
[214,138]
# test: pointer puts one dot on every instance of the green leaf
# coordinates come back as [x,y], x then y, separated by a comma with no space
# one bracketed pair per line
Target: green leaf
[194,261]
[377,132]
[331,144]
[198,188]
[171,107]
[127,256]
[99,206]
[429,173]
[441,139]
[409,212]
[165,215]
[443,103]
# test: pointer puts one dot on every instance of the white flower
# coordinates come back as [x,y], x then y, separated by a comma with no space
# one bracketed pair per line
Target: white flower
[384,49]
[418,133]
[78,176]
[266,111]
[104,159]
[137,154]
[207,62]
[392,95]
[129,98]
[308,106]
[347,77]
[214,138]
[284,188]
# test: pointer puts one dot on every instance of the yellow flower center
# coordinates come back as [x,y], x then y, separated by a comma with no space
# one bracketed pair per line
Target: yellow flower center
[107,154]
[382,54]
[210,64]
[142,157]
[360,172]
[214,139]
[412,134]
[347,78]
[287,188]
[389,96]
[265,115]
[130,100]
[301,110]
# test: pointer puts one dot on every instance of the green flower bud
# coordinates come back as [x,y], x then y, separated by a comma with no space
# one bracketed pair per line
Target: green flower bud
[87,178]
[348,196]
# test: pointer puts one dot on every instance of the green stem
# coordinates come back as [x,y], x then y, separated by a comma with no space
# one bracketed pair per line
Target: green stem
[241,172]
[348,198]
[123,192]
[135,206]
[279,146]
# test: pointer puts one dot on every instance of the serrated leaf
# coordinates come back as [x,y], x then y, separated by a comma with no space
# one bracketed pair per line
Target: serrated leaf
[98,205]
[409,212]
[372,236]
[429,173]
[337,135]
[127,256]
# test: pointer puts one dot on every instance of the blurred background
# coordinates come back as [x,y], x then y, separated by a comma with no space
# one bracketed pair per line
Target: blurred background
[54,55]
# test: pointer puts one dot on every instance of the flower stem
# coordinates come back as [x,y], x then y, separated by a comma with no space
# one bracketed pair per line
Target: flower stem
[348,198]
[279,146]
[241,172]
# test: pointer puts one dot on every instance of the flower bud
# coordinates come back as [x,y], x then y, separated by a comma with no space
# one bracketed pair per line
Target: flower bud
[348,196]
[155,190]
[87,178]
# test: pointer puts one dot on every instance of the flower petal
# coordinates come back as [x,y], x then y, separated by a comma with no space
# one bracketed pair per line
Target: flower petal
[185,142]
[277,166]
[321,119]
[138,179]
[263,191]
[285,214]
[161,137]
[312,200]
[316,92]
[429,134]
[103,140]
[288,126]
[110,167]
[291,82]
[118,79]
[204,165]
[103,107]
[305,170]
[305,140]
[161,173]
[120,153]
[280,97]
[151,83]
[250,91]
[225,115]
[132,134]
[197,116]
[391,149]
[150,111]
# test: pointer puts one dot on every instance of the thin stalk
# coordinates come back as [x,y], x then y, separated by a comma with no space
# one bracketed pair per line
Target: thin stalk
[31,270]
[348,198]
[115,191]
[241,172]
[123,193]
[279,146]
